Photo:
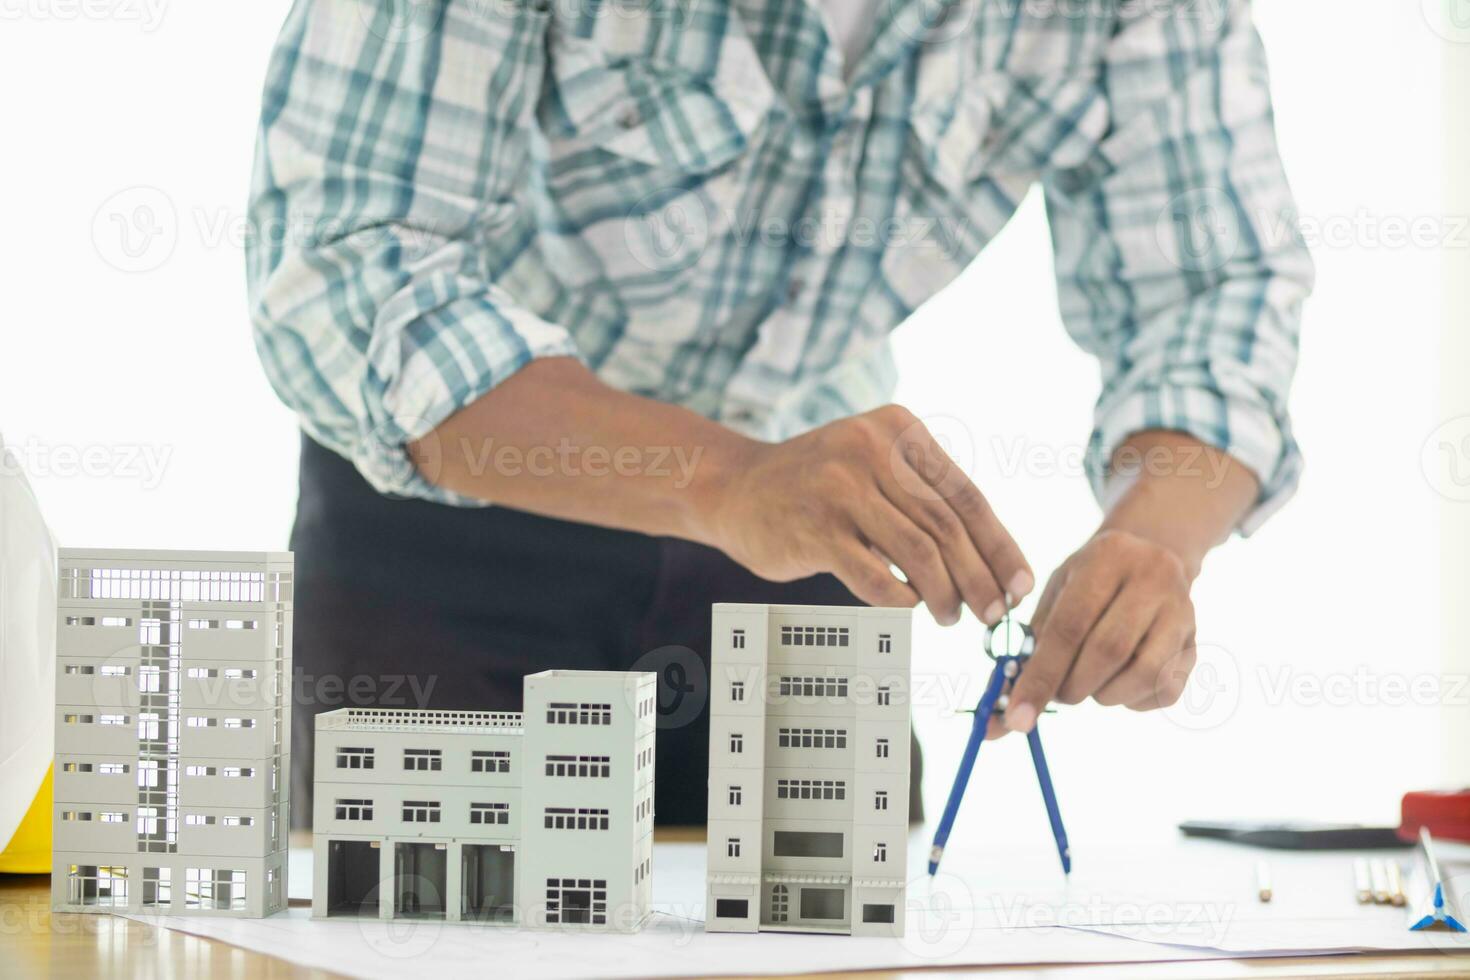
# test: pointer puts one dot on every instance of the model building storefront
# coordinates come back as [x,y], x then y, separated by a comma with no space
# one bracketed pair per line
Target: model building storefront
[543,818]
[171,770]
[809,780]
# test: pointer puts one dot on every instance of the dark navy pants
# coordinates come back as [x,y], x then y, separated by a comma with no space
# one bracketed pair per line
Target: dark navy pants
[411,604]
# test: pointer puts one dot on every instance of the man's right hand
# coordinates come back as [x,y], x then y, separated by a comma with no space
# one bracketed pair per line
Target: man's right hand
[851,498]
[862,493]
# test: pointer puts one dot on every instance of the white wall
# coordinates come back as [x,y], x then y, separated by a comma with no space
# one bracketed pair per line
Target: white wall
[129,385]
[147,380]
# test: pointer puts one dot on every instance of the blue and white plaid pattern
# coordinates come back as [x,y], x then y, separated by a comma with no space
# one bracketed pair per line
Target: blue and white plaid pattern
[695,198]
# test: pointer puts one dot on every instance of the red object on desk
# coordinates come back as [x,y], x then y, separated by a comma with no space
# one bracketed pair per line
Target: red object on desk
[1446,813]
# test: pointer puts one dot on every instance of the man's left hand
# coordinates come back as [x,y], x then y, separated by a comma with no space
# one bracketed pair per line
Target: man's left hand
[1115,624]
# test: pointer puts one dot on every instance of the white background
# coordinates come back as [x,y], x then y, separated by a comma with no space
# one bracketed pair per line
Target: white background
[135,401]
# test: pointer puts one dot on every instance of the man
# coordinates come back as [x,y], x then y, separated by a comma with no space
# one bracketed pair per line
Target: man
[624,270]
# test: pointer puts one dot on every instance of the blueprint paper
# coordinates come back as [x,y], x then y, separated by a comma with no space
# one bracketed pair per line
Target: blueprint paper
[1178,901]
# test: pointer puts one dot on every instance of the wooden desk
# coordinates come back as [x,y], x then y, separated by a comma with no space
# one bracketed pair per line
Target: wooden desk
[35,943]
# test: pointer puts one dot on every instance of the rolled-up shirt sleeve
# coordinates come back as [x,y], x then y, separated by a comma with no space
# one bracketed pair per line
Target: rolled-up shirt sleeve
[1180,264]
[387,216]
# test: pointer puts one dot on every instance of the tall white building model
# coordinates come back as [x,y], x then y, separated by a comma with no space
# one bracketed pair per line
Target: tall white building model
[172,766]
[541,819]
[809,769]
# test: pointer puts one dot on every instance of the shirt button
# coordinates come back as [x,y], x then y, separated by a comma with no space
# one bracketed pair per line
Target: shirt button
[630,118]
[794,288]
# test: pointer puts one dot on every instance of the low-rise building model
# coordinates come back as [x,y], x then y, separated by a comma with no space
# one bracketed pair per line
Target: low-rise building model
[542,818]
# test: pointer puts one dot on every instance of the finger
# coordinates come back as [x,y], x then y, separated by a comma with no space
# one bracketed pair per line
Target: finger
[1112,642]
[1170,682]
[915,553]
[1156,675]
[1081,603]
[967,569]
[949,484]
[996,728]
[1048,599]
[869,578]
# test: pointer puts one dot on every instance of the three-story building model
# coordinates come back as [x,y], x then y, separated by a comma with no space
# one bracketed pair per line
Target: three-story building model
[172,767]
[809,769]
[542,818]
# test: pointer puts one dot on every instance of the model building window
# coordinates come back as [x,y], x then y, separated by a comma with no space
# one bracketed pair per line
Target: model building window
[239,821]
[812,687]
[811,789]
[200,770]
[486,813]
[880,800]
[814,636]
[199,721]
[737,690]
[198,820]
[566,713]
[76,767]
[494,761]
[581,818]
[885,643]
[112,768]
[882,748]
[77,719]
[157,887]
[114,670]
[354,810]
[150,679]
[735,796]
[737,639]
[811,738]
[596,766]
[732,847]
[420,811]
[113,720]
[239,722]
[214,888]
[79,669]
[574,901]
[423,760]
[737,743]
[885,696]
[780,903]
[238,772]
[880,852]
[105,886]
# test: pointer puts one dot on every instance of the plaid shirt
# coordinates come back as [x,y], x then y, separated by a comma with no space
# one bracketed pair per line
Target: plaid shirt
[699,200]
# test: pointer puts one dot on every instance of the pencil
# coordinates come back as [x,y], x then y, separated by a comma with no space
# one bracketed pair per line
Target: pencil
[1379,873]
[1396,885]
[1362,881]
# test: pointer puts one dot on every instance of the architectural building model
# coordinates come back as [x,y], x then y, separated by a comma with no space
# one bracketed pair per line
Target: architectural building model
[541,819]
[173,675]
[809,769]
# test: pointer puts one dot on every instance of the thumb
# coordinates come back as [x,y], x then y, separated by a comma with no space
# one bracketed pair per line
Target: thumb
[1033,691]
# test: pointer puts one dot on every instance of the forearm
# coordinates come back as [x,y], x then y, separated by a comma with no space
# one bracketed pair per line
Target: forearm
[1174,490]
[554,440]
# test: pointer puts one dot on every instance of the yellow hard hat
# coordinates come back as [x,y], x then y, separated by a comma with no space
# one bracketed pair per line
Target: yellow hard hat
[27,673]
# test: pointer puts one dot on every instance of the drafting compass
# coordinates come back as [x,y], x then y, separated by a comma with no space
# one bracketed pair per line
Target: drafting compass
[1010,644]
